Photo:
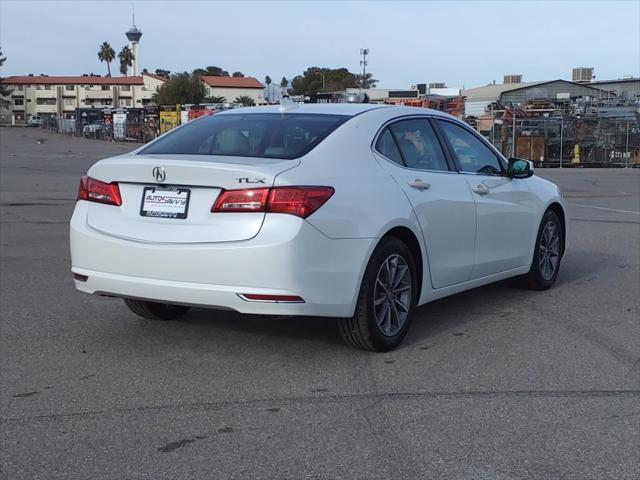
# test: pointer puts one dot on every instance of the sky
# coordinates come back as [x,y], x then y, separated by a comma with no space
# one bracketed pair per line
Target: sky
[461,43]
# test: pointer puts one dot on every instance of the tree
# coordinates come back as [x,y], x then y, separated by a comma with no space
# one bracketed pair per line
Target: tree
[211,71]
[237,74]
[311,81]
[4,91]
[267,80]
[106,54]
[162,72]
[216,99]
[180,88]
[245,101]
[368,82]
[126,60]
[284,83]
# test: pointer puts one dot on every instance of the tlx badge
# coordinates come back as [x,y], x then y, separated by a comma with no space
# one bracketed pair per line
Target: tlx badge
[250,180]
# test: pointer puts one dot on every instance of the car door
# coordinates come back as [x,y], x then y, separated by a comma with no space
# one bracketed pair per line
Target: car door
[441,200]
[505,207]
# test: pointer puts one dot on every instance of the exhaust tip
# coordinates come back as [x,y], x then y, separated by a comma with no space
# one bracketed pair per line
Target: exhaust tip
[79,277]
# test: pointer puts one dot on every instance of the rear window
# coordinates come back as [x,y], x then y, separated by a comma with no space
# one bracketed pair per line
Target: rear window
[262,135]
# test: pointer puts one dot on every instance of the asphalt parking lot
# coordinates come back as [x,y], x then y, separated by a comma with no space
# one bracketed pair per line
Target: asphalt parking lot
[495,383]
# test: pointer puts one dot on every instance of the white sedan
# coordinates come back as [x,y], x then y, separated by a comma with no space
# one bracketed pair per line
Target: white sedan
[359,212]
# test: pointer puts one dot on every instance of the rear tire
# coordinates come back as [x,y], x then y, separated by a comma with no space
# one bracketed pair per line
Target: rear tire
[386,299]
[154,310]
[546,256]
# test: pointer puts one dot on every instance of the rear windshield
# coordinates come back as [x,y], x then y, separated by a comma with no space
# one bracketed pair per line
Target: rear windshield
[262,135]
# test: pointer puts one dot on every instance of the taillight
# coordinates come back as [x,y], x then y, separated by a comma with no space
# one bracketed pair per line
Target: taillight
[248,200]
[96,191]
[299,201]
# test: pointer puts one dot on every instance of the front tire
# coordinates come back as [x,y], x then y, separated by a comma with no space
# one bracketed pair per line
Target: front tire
[386,299]
[156,311]
[547,254]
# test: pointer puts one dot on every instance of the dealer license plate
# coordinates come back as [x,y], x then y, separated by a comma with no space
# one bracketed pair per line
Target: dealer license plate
[165,202]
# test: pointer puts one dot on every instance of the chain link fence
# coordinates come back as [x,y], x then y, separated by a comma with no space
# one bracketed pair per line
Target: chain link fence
[560,141]
[127,131]
[547,141]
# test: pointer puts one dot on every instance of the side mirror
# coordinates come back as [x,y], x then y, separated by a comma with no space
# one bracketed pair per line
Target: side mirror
[519,168]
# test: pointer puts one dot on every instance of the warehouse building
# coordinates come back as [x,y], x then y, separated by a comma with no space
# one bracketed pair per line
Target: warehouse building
[478,99]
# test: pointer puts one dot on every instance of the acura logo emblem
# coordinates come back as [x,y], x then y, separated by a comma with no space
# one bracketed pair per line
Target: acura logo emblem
[159,174]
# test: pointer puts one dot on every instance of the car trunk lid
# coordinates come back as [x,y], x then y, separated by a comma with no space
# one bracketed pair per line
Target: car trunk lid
[181,189]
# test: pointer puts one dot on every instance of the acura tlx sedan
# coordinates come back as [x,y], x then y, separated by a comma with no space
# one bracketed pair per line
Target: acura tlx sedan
[359,212]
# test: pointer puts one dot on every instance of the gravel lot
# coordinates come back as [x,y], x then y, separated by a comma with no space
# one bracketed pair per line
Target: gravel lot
[495,383]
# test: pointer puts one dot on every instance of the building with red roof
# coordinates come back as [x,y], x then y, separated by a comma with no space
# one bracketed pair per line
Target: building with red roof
[233,87]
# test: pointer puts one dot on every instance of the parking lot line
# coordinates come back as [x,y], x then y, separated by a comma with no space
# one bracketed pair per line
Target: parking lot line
[604,208]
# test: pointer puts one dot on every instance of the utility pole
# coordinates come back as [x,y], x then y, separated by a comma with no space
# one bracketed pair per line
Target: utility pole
[364,52]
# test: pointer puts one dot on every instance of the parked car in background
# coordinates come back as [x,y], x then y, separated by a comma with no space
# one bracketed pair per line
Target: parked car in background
[34,121]
[359,212]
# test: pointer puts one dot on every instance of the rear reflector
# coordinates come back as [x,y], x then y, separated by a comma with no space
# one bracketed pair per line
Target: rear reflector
[79,277]
[96,191]
[299,201]
[253,297]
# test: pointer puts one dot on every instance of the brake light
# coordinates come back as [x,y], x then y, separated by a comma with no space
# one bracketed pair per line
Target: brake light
[96,191]
[248,200]
[299,201]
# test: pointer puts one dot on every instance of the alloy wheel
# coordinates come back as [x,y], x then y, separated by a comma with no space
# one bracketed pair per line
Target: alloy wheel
[549,251]
[392,295]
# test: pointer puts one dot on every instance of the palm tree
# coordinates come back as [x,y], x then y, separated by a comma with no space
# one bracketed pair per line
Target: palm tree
[216,99]
[4,90]
[126,59]
[284,83]
[246,101]
[106,54]
[267,80]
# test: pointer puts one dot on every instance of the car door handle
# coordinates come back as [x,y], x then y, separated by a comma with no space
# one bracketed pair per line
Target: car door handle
[419,184]
[480,190]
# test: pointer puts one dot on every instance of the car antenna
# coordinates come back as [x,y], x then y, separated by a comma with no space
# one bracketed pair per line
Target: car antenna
[286,104]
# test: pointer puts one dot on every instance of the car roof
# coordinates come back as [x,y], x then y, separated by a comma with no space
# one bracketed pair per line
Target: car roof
[350,109]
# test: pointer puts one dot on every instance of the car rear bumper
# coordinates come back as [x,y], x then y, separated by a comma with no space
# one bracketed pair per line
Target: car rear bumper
[288,257]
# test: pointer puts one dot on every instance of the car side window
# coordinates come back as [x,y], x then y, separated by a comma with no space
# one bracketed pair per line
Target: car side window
[473,155]
[386,145]
[419,145]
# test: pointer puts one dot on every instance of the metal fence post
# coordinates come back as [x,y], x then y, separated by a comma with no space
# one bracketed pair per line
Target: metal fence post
[561,135]
[513,133]
[626,150]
